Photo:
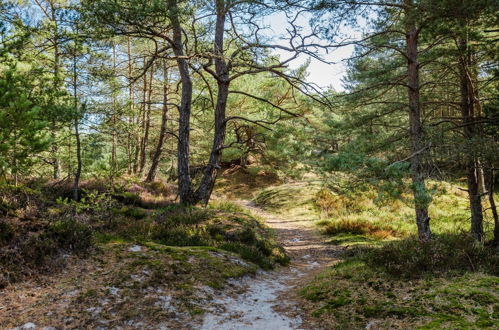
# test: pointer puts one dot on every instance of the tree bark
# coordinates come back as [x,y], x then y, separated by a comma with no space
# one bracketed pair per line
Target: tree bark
[130,115]
[53,129]
[421,198]
[156,158]
[184,181]
[205,189]
[114,120]
[490,184]
[146,126]
[76,182]
[471,161]
[139,126]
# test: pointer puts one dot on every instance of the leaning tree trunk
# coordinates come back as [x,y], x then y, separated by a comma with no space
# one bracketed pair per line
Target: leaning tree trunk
[151,175]
[421,198]
[471,161]
[184,180]
[205,189]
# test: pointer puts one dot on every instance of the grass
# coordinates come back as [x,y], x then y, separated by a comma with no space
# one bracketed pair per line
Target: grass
[365,214]
[409,285]
[388,279]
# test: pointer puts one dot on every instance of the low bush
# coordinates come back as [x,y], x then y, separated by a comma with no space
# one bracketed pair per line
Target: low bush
[448,283]
[34,244]
[411,258]
[355,227]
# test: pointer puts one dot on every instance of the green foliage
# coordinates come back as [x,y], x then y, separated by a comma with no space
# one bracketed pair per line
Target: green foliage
[22,126]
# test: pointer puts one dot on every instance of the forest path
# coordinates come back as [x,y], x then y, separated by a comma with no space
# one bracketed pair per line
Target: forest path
[269,300]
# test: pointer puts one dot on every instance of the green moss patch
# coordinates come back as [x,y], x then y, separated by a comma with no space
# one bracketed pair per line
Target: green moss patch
[407,284]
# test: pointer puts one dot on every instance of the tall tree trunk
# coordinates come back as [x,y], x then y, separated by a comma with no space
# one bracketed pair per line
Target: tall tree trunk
[421,198]
[471,161]
[139,125]
[156,158]
[184,181]
[76,182]
[113,121]
[131,101]
[56,171]
[205,189]
[146,125]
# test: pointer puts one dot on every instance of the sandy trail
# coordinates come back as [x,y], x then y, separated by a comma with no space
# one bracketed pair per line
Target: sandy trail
[267,300]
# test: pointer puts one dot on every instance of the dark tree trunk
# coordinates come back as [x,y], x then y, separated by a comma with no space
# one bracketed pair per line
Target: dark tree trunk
[56,164]
[76,182]
[490,185]
[471,161]
[184,181]
[114,120]
[205,189]
[421,198]
[156,158]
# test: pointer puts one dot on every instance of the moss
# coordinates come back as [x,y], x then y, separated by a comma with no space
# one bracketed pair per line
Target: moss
[133,212]
[353,293]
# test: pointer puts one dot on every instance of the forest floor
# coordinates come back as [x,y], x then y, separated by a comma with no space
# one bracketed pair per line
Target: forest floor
[353,263]
[270,300]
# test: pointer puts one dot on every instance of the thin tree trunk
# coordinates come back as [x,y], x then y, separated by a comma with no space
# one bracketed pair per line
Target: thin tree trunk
[56,172]
[146,125]
[490,184]
[114,120]
[156,158]
[421,198]
[56,164]
[184,180]
[139,126]
[76,182]
[130,100]
[53,129]
[471,161]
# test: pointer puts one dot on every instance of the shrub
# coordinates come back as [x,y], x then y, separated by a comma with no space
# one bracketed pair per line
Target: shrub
[7,232]
[356,227]
[133,212]
[446,253]
[70,235]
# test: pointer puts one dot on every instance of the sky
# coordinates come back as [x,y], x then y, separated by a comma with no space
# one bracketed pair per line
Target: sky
[325,75]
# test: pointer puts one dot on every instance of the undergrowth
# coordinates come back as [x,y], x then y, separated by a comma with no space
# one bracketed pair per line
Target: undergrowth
[448,283]
[369,215]
[37,227]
